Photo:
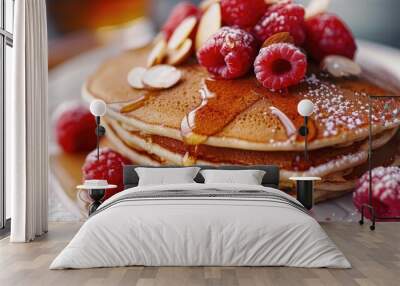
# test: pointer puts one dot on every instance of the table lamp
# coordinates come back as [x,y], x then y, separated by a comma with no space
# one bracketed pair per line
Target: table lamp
[98,108]
[305,108]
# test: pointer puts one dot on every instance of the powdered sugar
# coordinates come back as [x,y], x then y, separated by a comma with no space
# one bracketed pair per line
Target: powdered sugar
[338,108]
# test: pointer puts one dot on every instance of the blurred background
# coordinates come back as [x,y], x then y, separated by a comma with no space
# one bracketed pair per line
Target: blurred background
[78,25]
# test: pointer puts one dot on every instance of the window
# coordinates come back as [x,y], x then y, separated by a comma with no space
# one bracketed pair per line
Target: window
[6,43]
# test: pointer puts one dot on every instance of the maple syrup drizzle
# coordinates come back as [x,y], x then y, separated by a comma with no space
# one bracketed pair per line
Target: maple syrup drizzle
[132,105]
[135,104]
[188,159]
[187,124]
[221,102]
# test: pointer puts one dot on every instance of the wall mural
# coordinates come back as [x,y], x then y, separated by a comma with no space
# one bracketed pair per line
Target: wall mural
[200,93]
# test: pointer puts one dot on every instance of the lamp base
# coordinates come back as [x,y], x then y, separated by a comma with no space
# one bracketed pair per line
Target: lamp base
[305,193]
[96,195]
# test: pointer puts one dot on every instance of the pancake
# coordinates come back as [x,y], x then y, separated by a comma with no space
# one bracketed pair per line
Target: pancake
[332,186]
[241,114]
[132,151]
[290,161]
[323,162]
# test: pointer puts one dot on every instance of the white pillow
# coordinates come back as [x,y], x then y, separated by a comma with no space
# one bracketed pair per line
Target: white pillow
[166,176]
[248,177]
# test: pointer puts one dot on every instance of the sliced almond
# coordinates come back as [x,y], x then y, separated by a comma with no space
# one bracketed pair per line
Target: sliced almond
[282,37]
[339,66]
[157,54]
[161,76]
[135,77]
[316,7]
[176,57]
[159,37]
[209,24]
[181,33]
[205,4]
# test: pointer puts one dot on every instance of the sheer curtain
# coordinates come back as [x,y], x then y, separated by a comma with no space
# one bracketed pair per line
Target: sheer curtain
[26,119]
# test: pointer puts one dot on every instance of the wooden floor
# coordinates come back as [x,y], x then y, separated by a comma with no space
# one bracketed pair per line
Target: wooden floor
[375,257]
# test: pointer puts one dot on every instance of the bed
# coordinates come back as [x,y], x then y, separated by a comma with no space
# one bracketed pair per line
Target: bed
[198,224]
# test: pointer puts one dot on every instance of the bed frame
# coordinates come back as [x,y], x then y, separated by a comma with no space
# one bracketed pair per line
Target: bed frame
[131,178]
[271,177]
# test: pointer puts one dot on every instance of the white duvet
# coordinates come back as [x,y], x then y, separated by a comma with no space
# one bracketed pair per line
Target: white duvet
[190,231]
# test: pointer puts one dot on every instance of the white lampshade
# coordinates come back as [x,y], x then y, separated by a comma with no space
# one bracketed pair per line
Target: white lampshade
[305,107]
[98,107]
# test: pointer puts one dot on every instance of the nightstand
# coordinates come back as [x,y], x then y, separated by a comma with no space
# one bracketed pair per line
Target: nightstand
[96,190]
[305,189]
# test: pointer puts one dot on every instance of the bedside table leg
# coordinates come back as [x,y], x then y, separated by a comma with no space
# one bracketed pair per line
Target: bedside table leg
[96,195]
[305,193]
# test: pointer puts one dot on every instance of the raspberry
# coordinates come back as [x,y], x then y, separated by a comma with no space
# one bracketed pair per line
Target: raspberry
[109,167]
[242,13]
[385,192]
[280,65]
[229,53]
[178,14]
[278,6]
[328,35]
[283,17]
[75,129]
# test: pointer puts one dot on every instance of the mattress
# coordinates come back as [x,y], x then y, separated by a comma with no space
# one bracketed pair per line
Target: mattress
[201,225]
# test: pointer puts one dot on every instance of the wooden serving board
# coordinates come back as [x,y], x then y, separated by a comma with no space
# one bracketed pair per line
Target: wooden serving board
[67,170]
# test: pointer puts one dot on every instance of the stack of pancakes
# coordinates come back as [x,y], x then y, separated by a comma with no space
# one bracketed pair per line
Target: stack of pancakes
[213,122]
